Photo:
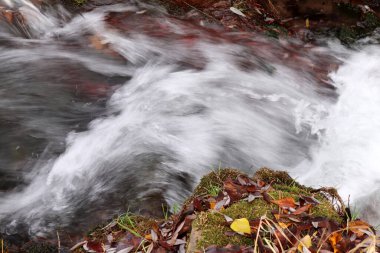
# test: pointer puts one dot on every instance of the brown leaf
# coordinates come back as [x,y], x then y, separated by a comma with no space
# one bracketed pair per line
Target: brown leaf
[94,246]
[357,227]
[188,222]
[285,203]
[235,191]
[308,200]
[175,234]
[128,240]
[302,209]
[8,14]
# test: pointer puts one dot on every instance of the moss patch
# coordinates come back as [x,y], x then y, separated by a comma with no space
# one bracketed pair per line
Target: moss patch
[140,224]
[212,225]
[213,180]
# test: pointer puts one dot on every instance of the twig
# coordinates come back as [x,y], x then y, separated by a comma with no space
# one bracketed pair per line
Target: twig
[257,235]
[2,246]
[79,244]
[59,242]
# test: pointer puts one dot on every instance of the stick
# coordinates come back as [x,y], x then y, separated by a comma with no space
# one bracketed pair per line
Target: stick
[59,243]
[257,235]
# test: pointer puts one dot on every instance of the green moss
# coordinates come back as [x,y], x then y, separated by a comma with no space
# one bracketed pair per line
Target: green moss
[370,20]
[214,179]
[213,227]
[137,223]
[325,209]
[78,2]
[348,35]
[280,178]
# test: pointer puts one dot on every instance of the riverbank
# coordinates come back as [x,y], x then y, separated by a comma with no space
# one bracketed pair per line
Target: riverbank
[307,20]
[232,212]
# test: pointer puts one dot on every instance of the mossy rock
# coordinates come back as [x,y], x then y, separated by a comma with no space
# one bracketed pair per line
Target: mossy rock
[210,226]
[212,182]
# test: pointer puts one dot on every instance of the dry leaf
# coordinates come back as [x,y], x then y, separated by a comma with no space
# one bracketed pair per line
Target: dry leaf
[285,203]
[305,242]
[302,209]
[241,226]
[334,239]
[357,227]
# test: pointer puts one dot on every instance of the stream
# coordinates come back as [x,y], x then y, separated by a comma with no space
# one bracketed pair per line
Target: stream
[125,108]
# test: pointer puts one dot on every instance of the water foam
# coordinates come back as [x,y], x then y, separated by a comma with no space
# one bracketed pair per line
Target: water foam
[347,156]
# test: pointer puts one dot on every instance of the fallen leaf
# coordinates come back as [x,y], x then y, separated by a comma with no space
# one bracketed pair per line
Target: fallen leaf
[234,191]
[241,226]
[285,203]
[302,209]
[8,15]
[357,227]
[309,200]
[212,204]
[175,235]
[334,239]
[305,242]
[154,235]
[94,247]
[228,219]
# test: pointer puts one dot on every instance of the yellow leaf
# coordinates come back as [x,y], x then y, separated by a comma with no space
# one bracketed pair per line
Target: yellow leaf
[335,238]
[284,225]
[212,204]
[307,23]
[304,242]
[241,226]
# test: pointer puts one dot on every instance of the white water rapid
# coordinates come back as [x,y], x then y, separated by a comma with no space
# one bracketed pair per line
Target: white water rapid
[182,108]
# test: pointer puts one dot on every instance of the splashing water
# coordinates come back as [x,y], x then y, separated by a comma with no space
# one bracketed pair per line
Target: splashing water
[178,101]
[347,155]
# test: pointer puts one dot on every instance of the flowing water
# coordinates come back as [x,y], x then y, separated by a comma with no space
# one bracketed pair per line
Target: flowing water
[124,107]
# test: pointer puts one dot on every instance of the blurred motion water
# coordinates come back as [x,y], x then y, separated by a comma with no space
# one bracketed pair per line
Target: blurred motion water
[124,106]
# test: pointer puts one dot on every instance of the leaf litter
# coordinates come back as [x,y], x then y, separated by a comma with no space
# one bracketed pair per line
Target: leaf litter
[290,227]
